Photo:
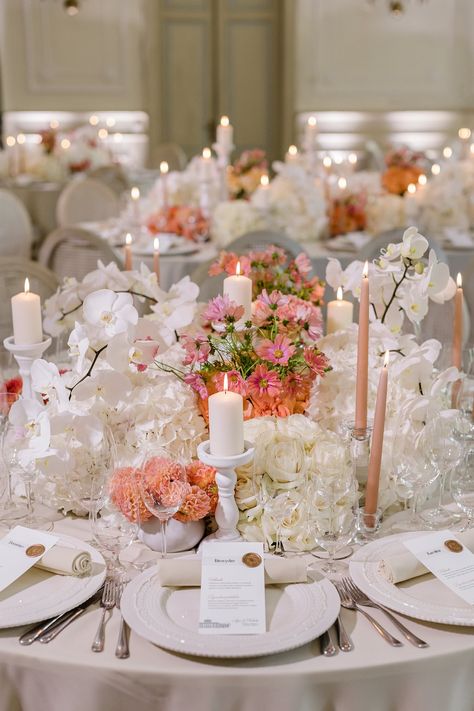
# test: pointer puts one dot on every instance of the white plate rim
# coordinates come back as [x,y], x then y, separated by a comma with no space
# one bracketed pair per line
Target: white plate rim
[87,591]
[139,627]
[388,594]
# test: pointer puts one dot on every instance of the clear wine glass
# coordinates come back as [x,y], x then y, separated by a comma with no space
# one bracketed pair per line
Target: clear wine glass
[332,509]
[99,462]
[21,465]
[445,449]
[462,488]
[162,495]
[113,532]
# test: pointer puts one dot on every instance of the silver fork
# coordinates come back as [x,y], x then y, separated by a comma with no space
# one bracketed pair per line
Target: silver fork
[348,602]
[361,599]
[107,603]
[122,650]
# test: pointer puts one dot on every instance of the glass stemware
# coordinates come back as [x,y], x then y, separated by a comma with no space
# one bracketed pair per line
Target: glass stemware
[462,488]
[113,533]
[445,449]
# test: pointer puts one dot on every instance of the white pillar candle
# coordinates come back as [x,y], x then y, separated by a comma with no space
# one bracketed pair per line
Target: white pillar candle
[239,289]
[226,423]
[206,164]
[164,168]
[340,313]
[26,316]
[225,134]
[291,155]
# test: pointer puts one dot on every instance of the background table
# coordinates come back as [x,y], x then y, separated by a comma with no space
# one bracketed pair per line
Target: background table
[374,677]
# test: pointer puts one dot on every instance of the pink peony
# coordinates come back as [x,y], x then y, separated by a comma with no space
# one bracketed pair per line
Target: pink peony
[278,351]
[264,382]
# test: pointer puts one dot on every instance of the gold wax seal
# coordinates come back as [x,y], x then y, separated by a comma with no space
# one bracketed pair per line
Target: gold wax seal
[453,546]
[35,551]
[253,560]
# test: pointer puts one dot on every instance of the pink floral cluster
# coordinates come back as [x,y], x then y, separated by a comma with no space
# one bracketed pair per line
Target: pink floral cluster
[294,316]
[271,269]
[192,487]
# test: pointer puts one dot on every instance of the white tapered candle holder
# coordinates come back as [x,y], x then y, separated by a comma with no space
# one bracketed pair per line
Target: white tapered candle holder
[227,512]
[24,356]
[223,154]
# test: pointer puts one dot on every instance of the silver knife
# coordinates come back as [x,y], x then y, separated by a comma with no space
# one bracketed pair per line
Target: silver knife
[69,617]
[36,631]
[326,644]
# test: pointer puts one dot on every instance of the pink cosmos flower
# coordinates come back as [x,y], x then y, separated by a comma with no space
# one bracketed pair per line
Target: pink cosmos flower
[303,264]
[264,382]
[222,309]
[278,351]
[197,349]
[316,360]
[292,383]
[197,383]
[235,382]
[273,300]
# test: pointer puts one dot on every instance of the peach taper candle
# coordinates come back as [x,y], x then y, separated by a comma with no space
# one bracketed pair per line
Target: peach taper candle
[363,353]
[375,460]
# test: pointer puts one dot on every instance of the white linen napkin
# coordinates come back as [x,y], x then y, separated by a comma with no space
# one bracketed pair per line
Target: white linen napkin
[66,561]
[405,566]
[186,572]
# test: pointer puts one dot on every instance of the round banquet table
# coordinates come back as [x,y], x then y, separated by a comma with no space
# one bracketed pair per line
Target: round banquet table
[65,674]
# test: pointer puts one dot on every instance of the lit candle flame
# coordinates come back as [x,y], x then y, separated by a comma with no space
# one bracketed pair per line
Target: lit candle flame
[156,244]
[65,144]
[93,120]
[471,148]
[386,360]
[422,179]
[11,140]
[102,133]
[411,188]
[225,121]
[327,161]
[459,280]
[54,124]
[226,383]
[436,168]
[21,138]
[312,121]
[464,133]
[264,181]
[342,183]
[352,158]
[164,167]
[237,268]
[292,150]
[365,271]
[27,285]
[339,293]
[128,239]
[206,153]
[447,152]
[135,193]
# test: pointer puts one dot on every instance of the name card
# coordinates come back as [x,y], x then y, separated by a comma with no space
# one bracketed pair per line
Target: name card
[448,559]
[20,549]
[232,589]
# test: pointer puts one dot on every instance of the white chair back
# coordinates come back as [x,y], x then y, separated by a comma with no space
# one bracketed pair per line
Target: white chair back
[73,252]
[112,176]
[12,279]
[173,154]
[261,239]
[86,200]
[209,286]
[372,249]
[16,230]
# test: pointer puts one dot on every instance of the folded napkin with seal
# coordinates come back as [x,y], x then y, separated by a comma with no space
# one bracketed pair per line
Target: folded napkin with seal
[66,561]
[186,572]
[404,566]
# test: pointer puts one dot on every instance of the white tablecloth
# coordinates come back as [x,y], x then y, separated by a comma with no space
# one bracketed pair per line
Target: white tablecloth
[66,675]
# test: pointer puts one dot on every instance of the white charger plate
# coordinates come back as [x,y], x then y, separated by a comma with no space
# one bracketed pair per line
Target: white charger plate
[423,598]
[39,595]
[168,617]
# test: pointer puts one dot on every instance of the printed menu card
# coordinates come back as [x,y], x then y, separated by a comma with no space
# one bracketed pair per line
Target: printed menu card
[448,559]
[232,589]
[20,549]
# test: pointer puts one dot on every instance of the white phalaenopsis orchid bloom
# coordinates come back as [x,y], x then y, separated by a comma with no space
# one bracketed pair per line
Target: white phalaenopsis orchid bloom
[34,431]
[78,343]
[414,303]
[414,245]
[177,310]
[112,313]
[46,380]
[109,385]
[435,277]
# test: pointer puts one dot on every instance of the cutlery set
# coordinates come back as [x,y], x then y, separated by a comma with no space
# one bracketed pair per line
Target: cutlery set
[109,597]
[352,598]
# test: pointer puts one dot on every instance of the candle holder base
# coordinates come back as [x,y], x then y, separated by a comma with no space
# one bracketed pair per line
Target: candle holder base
[25,355]
[227,512]
[360,438]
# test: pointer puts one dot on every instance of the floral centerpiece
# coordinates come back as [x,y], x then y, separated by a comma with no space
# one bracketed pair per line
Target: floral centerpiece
[403,166]
[243,177]
[184,221]
[347,213]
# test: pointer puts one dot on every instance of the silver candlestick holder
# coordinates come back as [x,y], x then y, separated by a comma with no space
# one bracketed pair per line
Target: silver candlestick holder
[227,512]
[25,355]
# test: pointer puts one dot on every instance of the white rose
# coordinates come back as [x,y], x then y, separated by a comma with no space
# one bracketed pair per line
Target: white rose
[282,457]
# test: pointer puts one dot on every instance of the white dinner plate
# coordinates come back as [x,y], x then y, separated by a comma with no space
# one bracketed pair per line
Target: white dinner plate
[423,598]
[39,595]
[168,617]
